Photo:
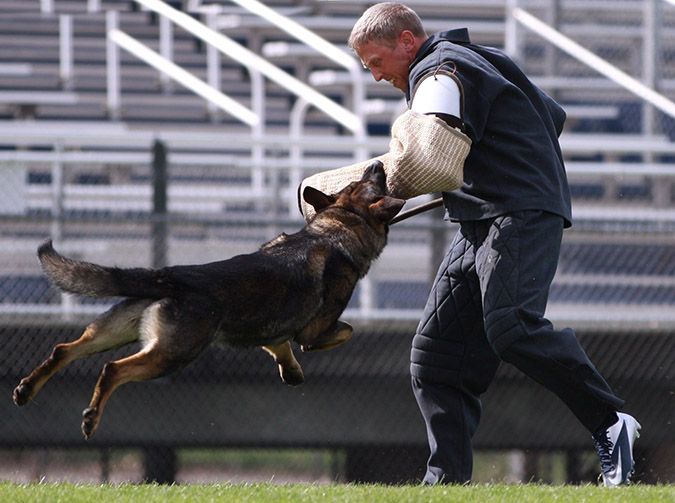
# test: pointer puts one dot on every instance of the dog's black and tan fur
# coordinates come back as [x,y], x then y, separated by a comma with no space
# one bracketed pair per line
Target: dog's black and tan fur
[293,289]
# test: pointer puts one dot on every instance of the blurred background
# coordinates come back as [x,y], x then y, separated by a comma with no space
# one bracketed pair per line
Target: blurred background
[144,133]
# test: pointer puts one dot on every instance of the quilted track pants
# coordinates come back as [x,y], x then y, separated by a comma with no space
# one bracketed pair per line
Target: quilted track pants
[487,304]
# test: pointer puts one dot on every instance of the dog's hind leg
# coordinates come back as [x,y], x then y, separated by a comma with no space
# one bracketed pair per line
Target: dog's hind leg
[148,363]
[116,327]
[173,333]
[289,368]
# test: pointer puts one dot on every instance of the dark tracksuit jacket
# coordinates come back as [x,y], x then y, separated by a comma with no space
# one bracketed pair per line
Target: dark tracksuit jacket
[510,167]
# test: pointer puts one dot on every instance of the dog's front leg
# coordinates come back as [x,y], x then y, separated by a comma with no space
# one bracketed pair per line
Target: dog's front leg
[289,368]
[338,334]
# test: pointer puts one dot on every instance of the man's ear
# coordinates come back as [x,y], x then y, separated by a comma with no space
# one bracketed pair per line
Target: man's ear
[407,39]
[316,198]
[386,208]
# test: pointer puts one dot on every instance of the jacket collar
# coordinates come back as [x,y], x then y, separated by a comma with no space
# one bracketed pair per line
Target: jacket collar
[457,36]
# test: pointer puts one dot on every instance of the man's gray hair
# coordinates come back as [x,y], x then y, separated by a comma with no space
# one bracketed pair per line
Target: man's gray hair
[383,23]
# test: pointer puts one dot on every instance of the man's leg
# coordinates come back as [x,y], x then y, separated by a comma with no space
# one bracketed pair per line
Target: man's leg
[452,363]
[516,265]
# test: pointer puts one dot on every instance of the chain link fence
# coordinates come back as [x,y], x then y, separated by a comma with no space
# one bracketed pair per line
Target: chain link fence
[615,287]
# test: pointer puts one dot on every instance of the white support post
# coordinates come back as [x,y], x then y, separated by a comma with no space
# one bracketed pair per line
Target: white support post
[47,6]
[511,43]
[113,67]
[165,49]
[258,130]
[650,56]
[296,154]
[213,61]
[367,296]
[57,193]
[56,231]
[66,50]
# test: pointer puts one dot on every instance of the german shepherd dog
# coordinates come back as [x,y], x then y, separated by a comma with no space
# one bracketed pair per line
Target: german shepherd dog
[294,288]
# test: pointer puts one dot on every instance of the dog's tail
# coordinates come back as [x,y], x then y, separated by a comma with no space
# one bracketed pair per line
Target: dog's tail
[92,280]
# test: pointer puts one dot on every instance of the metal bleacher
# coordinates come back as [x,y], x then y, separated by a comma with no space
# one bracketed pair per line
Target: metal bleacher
[77,165]
[619,178]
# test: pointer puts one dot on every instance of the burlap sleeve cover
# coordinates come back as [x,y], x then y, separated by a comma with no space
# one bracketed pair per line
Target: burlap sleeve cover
[425,155]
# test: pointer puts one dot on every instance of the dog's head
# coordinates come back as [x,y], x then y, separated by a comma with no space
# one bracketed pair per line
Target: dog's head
[367,198]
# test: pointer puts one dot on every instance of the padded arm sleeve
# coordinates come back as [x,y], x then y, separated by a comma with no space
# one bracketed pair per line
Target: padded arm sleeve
[425,155]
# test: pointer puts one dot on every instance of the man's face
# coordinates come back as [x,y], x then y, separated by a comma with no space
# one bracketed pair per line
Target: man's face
[388,63]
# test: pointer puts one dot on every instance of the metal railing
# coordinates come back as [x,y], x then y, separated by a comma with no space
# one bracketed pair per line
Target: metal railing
[169,69]
[256,66]
[586,57]
[200,204]
[252,61]
[298,142]
[651,36]
[330,51]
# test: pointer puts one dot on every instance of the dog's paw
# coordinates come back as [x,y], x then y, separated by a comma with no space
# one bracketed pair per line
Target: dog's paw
[90,418]
[22,393]
[292,376]
[328,340]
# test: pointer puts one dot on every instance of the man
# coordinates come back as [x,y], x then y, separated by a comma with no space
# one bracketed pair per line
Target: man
[488,301]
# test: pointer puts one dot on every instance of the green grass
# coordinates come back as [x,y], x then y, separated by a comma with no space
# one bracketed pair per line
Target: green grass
[301,493]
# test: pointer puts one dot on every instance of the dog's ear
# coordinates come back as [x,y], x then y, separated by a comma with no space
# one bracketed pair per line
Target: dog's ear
[386,208]
[317,198]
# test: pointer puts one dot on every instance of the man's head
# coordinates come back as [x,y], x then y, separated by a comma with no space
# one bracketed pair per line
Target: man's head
[386,39]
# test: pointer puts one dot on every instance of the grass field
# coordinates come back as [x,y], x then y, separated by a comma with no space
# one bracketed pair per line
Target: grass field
[301,493]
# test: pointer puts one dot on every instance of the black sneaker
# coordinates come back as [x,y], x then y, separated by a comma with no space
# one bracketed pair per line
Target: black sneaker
[615,448]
